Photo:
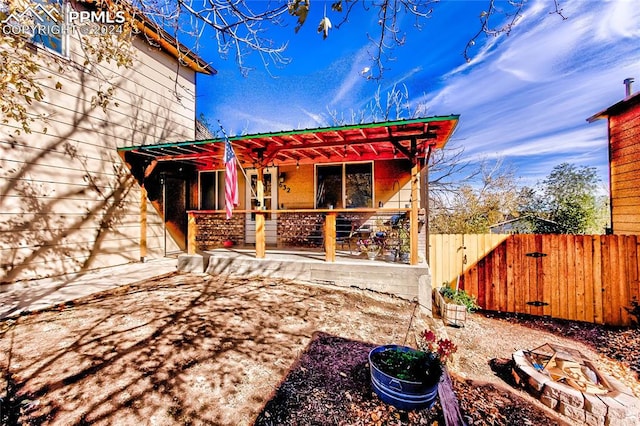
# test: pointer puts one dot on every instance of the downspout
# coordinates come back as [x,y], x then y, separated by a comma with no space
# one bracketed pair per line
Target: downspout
[143,223]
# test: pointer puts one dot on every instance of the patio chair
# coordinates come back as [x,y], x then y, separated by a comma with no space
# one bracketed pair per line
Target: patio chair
[346,232]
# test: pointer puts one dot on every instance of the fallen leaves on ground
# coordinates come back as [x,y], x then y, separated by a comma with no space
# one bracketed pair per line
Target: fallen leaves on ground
[192,349]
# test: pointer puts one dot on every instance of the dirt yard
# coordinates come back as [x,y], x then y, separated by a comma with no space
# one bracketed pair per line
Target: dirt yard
[195,349]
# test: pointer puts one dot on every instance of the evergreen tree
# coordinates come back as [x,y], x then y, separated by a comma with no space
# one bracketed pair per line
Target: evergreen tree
[567,199]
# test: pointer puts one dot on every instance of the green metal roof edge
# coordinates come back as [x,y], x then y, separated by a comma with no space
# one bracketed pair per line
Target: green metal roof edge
[299,132]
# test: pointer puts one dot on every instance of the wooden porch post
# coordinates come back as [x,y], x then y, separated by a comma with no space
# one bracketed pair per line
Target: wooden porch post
[330,237]
[261,240]
[413,215]
[191,233]
[143,224]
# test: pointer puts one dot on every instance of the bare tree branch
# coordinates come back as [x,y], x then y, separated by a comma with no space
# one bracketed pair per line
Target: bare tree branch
[508,18]
[242,27]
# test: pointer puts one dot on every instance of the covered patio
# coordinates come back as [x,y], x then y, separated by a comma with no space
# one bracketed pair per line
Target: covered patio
[341,205]
[340,192]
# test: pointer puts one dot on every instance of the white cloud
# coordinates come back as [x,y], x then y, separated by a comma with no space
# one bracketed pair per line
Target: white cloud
[244,122]
[353,77]
[530,58]
[619,20]
[529,97]
[319,120]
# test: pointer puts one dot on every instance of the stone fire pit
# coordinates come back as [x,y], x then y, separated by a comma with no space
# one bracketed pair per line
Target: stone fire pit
[565,380]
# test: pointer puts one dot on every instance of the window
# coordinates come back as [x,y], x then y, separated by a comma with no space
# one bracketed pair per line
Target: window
[212,190]
[344,185]
[50,30]
[42,22]
[329,189]
[358,185]
[267,185]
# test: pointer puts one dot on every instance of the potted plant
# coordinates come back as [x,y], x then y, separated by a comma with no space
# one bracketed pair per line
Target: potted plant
[403,247]
[454,305]
[369,246]
[408,378]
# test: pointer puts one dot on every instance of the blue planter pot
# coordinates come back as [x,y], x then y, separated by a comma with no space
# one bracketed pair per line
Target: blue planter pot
[402,394]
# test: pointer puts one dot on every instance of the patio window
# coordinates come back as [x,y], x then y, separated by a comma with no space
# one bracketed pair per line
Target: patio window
[212,190]
[346,185]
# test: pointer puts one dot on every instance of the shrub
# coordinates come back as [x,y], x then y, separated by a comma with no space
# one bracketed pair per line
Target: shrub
[414,366]
[459,297]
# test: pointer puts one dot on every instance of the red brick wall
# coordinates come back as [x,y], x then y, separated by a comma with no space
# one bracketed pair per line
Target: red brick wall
[300,229]
[214,229]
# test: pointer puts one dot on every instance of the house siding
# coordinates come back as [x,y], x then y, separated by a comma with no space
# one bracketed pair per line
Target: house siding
[624,140]
[301,181]
[67,200]
[392,185]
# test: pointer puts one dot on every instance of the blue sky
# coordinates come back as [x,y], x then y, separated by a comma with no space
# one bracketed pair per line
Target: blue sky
[524,97]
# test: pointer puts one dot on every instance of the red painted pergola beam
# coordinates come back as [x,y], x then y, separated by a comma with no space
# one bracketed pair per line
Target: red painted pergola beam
[376,141]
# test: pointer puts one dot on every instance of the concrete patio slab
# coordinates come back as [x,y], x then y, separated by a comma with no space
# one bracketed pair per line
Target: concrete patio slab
[34,295]
[406,281]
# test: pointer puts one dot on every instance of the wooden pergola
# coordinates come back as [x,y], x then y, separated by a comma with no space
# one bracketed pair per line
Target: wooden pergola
[413,139]
[374,141]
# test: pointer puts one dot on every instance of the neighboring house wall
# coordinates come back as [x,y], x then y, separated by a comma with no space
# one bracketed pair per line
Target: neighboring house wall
[67,201]
[523,225]
[624,145]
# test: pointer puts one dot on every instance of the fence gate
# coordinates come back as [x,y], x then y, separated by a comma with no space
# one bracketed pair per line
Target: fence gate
[589,278]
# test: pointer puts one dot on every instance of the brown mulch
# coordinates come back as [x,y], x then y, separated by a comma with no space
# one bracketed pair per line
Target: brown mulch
[488,404]
[330,385]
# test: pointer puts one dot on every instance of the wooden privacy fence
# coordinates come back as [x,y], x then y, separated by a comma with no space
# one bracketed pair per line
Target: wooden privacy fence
[577,277]
[451,254]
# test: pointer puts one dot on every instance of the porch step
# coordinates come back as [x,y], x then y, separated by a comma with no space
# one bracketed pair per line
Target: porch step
[401,280]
